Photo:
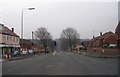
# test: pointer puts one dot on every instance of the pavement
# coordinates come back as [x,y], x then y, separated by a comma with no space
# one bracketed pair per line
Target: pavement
[62,63]
[98,55]
[21,57]
[18,57]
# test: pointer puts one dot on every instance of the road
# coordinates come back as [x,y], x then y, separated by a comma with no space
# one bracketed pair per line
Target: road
[63,63]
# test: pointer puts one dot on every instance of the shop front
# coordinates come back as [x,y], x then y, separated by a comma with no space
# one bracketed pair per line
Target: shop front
[7,50]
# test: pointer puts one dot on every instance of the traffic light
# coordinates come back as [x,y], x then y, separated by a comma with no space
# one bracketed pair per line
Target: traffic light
[55,43]
[83,43]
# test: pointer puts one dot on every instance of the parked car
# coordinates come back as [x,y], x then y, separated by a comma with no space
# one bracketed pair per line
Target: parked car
[16,53]
[30,51]
[24,52]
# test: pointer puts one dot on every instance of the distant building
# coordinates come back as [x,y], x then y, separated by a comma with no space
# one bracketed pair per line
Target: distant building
[27,44]
[108,38]
[117,32]
[78,48]
[37,47]
[9,40]
[84,42]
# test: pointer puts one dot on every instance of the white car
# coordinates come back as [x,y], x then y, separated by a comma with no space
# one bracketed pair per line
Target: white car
[30,51]
[24,52]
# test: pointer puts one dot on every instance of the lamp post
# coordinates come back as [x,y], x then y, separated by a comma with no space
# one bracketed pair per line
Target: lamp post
[22,21]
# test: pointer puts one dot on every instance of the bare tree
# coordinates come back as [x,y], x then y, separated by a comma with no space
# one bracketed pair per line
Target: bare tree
[69,37]
[44,36]
[42,33]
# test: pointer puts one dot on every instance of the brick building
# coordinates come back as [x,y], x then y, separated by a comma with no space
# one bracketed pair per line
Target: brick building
[105,44]
[27,44]
[9,40]
[108,38]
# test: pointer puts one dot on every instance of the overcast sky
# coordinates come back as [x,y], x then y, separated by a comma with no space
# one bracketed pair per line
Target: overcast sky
[88,18]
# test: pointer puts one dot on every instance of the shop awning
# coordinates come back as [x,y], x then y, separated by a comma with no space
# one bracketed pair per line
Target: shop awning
[9,45]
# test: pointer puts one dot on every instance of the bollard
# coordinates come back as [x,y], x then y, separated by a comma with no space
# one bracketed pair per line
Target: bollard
[9,58]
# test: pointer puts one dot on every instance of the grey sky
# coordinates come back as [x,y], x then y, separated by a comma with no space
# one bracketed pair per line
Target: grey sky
[87,18]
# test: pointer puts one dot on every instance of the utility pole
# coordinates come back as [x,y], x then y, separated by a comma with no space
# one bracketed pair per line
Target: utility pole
[32,35]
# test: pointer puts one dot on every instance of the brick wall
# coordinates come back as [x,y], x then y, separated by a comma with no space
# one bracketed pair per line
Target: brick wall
[111,39]
[110,51]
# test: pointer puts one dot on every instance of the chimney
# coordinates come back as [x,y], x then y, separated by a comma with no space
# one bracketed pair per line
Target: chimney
[93,37]
[12,29]
[100,33]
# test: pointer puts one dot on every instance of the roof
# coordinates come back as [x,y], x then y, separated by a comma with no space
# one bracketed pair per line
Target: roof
[96,38]
[7,31]
[36,42]
[29,42]
[25,41]
[107,34]
[102,36]
[117,30]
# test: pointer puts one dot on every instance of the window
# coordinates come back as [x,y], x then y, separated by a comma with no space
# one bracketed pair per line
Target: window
[10,38]
[7,37]
[4,37]
[17,39]
[14,39]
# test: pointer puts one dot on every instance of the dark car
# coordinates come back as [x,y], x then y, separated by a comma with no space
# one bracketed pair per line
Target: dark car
[16,53]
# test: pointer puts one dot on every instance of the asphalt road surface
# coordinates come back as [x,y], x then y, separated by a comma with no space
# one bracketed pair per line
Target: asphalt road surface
[63,63]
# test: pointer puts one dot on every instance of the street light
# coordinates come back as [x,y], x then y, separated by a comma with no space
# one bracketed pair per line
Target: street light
[22,21]
[31,8]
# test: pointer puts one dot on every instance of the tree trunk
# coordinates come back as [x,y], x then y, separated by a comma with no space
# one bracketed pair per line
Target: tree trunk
[70,45]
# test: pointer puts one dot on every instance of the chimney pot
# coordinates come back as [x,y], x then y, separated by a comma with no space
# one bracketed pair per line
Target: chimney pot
[100,33]
[12,29]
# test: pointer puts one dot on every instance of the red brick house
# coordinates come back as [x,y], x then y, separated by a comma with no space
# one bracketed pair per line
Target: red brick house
[117,32]
[108,38]
[103,43]
[26,45]
[38,48]
[95,42]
